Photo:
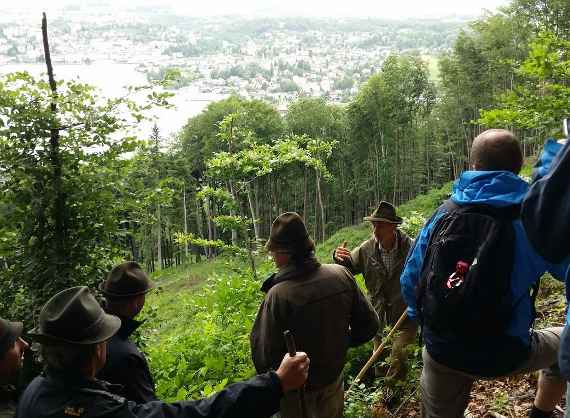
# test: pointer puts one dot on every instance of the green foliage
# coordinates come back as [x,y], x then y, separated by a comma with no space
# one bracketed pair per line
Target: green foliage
[172,77]
[542,100]
[413,224]
[61,171]
[181,238]
[214,350]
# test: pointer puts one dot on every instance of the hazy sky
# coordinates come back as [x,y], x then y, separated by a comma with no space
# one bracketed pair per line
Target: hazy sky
[348,8]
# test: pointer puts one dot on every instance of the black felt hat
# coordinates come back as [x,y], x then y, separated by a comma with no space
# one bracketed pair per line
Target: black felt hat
[289,234]
[126,280]
[74,316]
[385,212]
[9,333]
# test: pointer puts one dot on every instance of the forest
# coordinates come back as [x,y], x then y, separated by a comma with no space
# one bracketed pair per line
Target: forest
[80,190]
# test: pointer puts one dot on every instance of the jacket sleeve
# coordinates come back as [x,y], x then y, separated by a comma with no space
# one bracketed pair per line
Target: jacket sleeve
[544,163]
[364,322]
[141,386]
[356,262]
[257,397]
[546,210]
[411,274]
[266,338]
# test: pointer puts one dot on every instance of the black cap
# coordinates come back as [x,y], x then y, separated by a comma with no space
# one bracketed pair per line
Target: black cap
[125,280]
[74,316]
[9,333]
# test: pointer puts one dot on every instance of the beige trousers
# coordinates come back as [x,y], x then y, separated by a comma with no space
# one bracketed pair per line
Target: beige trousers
[327,402]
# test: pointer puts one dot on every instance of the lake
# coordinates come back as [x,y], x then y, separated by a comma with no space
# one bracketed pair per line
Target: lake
[111,78]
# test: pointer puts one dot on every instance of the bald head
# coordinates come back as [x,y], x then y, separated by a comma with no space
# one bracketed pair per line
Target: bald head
[496,149]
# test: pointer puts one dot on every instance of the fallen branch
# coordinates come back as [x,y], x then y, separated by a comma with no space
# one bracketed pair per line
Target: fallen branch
[496,415]
[405,401]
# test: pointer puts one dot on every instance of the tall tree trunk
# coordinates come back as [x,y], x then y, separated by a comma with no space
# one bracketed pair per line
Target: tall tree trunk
[305,195]
[253,213]
[210,227]
[58,210]
[321,206]
[232,213]
[185,217]
[159,237]
[199,228]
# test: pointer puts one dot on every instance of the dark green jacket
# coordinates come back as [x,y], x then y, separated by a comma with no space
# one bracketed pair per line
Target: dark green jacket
[57,395]
[8,397]
[127,366]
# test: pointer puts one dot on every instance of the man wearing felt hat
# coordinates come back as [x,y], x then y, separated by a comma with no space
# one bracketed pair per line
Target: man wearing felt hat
[73,332]
[381,259]
[125,288]
[322,307]
[12,348]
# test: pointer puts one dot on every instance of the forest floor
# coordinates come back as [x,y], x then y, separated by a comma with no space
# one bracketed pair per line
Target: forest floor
[510,397]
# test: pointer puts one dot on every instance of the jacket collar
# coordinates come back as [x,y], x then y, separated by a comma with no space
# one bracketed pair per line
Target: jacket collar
[290,272]
[128,326]
[494,188]
[398,247]
[74,379]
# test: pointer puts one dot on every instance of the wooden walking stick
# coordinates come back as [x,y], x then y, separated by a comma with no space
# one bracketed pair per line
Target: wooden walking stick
[290,342]
[376,354]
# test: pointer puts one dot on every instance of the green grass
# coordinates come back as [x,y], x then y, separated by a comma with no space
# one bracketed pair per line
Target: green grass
[167,308]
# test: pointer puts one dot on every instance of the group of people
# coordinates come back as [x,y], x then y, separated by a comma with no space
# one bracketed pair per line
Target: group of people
[519,232]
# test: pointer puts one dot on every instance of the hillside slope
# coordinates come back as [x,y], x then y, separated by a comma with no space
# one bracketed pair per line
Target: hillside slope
[198,324]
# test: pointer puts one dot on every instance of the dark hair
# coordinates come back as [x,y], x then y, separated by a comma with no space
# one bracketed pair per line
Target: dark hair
[67,356]
[496,149]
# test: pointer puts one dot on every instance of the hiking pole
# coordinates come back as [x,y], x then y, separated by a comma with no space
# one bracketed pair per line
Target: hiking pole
[290,342]
[376,354]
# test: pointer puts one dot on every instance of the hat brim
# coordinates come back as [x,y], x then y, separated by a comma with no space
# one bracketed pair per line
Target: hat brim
[396,221]
[307,245]
[109,325]
[105,292]
[13,332]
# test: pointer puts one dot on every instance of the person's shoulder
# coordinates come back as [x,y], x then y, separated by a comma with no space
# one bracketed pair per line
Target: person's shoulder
[404,238]
[337,271]
[368,244]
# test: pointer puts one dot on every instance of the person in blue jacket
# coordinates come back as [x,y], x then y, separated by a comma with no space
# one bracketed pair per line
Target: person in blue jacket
[546,217]
[450,365]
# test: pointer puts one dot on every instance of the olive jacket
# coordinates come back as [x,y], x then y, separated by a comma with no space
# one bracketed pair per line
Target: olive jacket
[383,288]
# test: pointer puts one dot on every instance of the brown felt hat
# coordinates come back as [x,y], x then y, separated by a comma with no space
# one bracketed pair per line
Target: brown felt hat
[74,316]
[126,280]
[289,234]
[385,212]
[9,333]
